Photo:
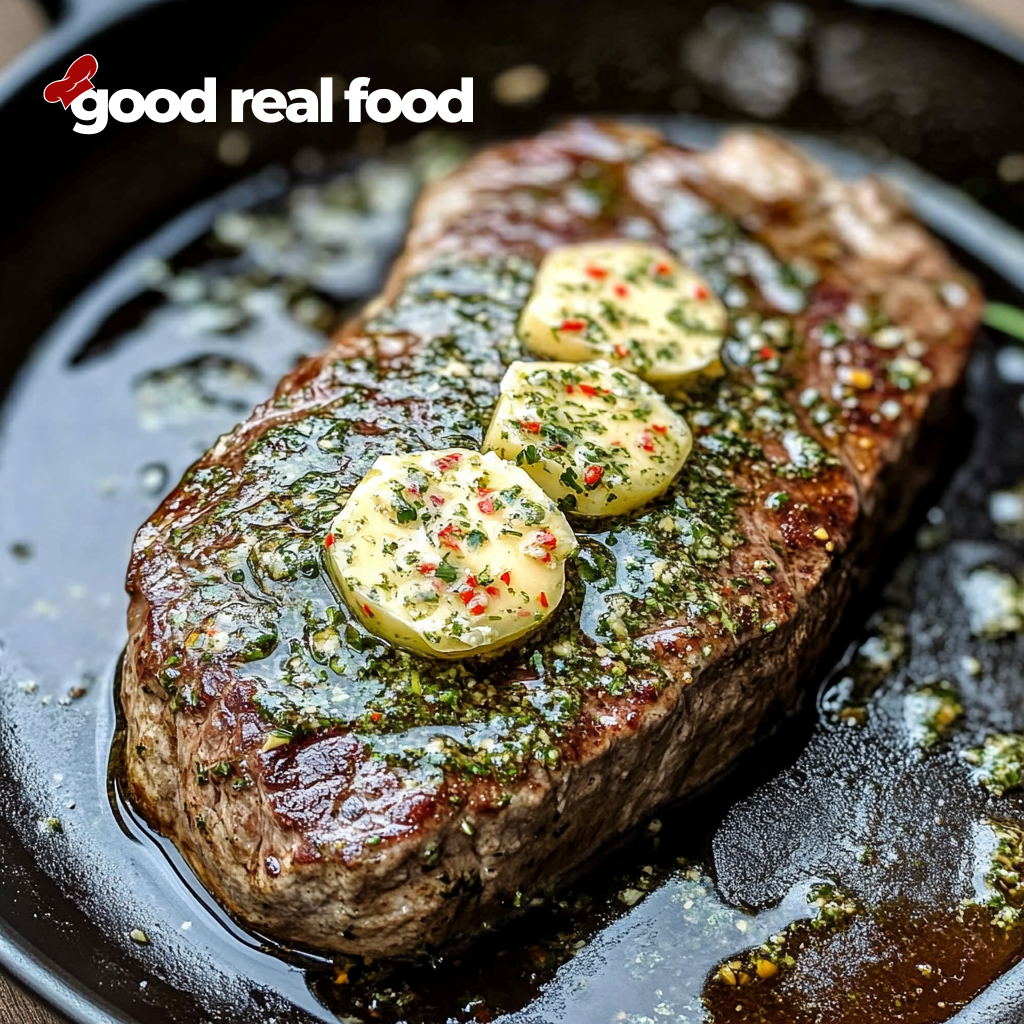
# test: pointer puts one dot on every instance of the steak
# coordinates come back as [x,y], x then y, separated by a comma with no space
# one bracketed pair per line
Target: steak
[336,792]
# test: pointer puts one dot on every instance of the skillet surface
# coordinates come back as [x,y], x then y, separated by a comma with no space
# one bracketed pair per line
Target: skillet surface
[151,359]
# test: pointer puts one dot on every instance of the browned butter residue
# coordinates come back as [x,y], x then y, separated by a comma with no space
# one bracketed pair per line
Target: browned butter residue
[887,966]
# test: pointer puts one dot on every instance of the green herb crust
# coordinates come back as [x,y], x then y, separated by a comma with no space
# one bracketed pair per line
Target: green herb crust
[700,611]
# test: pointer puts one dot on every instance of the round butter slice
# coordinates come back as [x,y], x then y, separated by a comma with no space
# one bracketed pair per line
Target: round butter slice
[631,303]
[449,553]
[596,438]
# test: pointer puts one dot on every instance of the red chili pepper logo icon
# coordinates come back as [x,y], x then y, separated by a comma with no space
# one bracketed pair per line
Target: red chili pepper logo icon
[77,80]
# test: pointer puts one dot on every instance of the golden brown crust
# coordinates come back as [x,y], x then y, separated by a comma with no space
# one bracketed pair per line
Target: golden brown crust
[280,853]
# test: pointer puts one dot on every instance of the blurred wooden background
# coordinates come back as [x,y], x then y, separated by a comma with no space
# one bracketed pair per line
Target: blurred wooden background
[22,21]
[1009,11]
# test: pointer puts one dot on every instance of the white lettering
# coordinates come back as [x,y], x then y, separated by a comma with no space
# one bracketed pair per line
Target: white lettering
[465,97]
[326,100]
[239,98]
[429,110]
[91,111]
[378,96]
[303,106]
[355,94]
[267,104]
[117,100]
[152,105]
[208,95]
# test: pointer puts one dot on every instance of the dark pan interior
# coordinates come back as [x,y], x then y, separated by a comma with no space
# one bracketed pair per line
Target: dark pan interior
[76,204]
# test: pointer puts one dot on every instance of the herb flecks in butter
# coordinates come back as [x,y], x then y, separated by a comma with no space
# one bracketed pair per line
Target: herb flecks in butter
[999,873]
[930,712]
[313,666]
[998,762]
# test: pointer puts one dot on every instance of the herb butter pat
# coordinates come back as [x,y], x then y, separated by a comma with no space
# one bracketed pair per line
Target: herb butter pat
[596,438]
[449,553]
[629,302]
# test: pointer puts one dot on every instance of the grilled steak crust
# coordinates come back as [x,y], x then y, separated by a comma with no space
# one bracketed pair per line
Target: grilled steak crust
[397,806]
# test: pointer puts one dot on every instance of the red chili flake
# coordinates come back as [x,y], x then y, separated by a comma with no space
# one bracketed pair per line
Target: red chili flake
[726,591]
[486,506]
[531,426]
[506,578]
[447,461]
[543,599]
[573,325]
[597,273]
[445,537]
[470,579]
[621,351]
[437,500]
[367,611]
[646,442]
[524,613]
[494,591]
[466,596]
[485,490]
[660,429]
[375,716]
[412,489]
[427,569]
[621,291]
[546,558]
[593,475]
[546,539]
[478,605]
[662,268]
[589,389]
[568,389]
[767,352]
[700,293]
[328,540]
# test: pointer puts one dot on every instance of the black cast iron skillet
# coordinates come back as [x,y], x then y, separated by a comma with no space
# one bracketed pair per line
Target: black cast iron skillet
[938,87]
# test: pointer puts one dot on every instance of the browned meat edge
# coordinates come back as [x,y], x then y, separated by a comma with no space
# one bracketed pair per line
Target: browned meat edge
[272,853]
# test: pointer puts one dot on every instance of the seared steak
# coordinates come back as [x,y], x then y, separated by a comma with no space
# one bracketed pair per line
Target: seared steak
[334,791]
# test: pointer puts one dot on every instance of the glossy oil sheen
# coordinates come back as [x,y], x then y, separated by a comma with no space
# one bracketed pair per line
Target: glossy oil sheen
[642,931]
[83,462]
